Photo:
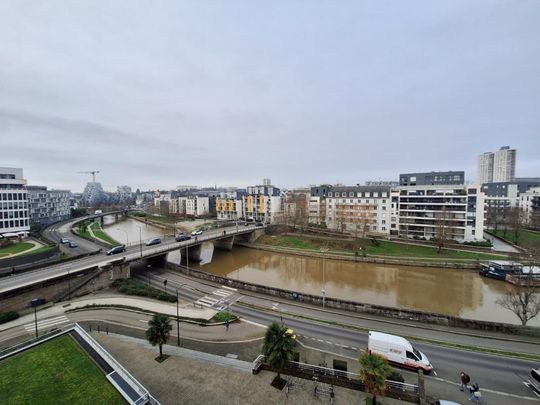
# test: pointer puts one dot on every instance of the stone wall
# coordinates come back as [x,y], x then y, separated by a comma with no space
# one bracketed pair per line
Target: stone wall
[358,307]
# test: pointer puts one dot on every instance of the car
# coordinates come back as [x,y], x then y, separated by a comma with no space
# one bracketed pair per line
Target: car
[116,249]
[197,232]
[445,402]
[73,244]
[154,241]
[64,240]
[182,237]
[259,224]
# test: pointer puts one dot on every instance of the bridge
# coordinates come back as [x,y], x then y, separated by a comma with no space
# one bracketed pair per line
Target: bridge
[55,282]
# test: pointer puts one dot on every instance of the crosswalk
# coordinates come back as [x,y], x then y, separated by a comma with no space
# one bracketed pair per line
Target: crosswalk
[219,298]
[46,323]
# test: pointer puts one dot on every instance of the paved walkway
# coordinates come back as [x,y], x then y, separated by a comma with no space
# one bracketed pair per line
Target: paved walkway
[500,245]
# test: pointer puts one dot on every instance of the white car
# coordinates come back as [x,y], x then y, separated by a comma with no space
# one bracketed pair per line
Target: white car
[195,233]
[445,402]
[64,240]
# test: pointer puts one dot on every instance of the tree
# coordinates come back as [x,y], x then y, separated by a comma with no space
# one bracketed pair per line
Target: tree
[159,331]
[522,299]
[374,370]
[515,221]
[279,346]
[443,228]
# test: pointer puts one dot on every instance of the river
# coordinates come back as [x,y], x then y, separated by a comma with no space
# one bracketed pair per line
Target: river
[453,292]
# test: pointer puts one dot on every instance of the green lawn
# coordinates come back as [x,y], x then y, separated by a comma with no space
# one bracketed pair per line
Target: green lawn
[384,248]
[38,250]
[15,248]
[526,239]
[55,372]
[96,228]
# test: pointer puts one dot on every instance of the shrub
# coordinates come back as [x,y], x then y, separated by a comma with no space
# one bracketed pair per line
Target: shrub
[223,316]
[130,286]
[395,376]
[8,316]
[483,243]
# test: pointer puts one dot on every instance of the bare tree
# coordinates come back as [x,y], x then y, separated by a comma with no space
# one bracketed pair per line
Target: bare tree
[523,299]
[515,221]
[443,228]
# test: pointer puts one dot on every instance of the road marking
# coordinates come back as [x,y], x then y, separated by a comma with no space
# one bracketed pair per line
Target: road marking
[320,340]
[354,348]
[345,347]
[229,288]
[330,343]
[254,323]
[46,323]
[222,293]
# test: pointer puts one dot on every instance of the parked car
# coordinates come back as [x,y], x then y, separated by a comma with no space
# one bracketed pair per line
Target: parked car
[73,244]
[398,351]
[258,224]
[197,232]
[116,249]
[182,237]
[534,379]
[155,241]
[64,240]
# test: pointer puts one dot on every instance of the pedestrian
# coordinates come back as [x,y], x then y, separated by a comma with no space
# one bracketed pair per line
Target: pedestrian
[476,395]
[227,325]
[465,380]
[13,271]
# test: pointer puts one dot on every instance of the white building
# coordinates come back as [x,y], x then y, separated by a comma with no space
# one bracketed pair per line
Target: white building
[48,206]
[485,168]
[504,164]
[529,202]
[230,206]
[14,214]
[358,209]
[450,211]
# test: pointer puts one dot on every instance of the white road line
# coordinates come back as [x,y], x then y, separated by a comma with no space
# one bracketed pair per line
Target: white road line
[320,340]
[330,343]
[354,348]
[208,299]
[46,323]
[345,347]
[221,293]
[254,323]
[206,304]
[229,288]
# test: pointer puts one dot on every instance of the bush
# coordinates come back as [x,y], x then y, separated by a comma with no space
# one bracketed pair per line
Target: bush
[130,286]
[483,243]
[395,376]
[8,316]
[223,316]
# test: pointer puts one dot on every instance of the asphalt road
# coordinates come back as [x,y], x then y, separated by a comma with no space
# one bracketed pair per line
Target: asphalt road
[61,230]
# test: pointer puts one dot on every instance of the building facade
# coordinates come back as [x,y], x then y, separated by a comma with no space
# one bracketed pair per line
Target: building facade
[48,206]
[230,206]
[359,210]
[529,202]
[453,212]
[14,213]
[432,178]
[504,164]
[485,168]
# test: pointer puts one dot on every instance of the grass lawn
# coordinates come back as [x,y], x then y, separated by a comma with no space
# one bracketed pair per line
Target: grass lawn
[383,249]
[15,248]
[96,228]
[55,372]
[526,239]
[38,250]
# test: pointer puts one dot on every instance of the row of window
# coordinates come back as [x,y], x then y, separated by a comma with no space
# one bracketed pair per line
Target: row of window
[15,205]
[13,214]
[383,194]
[15,223]
[13,196]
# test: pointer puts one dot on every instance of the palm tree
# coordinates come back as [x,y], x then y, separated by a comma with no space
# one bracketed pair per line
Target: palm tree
[374,370]
[279,346]
[159,331]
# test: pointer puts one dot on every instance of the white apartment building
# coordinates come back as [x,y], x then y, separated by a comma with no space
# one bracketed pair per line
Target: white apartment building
[358,209]
[457,211]
[14,214]
[504,164]
[485,168]
[529,202]
[48,206]
[230,206]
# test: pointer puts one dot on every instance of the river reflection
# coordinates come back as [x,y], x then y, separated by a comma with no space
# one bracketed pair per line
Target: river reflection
[452,292]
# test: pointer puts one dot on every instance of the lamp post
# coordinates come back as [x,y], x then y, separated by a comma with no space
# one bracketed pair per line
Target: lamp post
[148,266]
[140,238]
[127,238]
[34,304]
[323,291]
[69,284]
[177,320]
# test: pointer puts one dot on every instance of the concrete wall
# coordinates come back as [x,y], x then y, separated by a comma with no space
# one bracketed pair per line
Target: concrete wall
[359,307]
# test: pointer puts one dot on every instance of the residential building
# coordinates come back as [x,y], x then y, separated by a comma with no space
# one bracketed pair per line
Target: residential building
[382,183]
[485,168]
[48,206]
[262,203]
[504,164]
[230,206]
[432,178]
[359,209]
[442,211]
[295,206]
[14,213]
[529,202]
[197,206]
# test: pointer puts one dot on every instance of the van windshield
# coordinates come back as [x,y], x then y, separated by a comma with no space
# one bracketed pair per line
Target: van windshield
[417,353]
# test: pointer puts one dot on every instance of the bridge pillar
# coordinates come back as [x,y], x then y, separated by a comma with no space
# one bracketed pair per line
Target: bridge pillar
[193,253]
[102,219]
[224,244]
[245,238]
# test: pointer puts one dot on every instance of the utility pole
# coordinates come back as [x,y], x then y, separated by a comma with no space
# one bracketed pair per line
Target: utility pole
[177,321]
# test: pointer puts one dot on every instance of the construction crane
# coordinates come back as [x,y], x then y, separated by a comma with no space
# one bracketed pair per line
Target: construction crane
[93,173]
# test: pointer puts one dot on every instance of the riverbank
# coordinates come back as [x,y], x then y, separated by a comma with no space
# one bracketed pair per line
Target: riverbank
[372,251]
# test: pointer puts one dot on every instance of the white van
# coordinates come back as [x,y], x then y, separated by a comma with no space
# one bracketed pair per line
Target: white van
[398,351]
[97,212]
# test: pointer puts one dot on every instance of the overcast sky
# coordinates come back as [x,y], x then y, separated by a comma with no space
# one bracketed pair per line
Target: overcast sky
[157,93]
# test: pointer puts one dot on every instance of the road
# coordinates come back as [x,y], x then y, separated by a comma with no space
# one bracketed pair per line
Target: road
[133,253]
[60,230]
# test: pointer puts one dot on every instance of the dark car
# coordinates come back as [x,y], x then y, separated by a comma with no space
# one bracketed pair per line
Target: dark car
[258,224]
[182,237]
[116,249]
[73,244]
[155,241]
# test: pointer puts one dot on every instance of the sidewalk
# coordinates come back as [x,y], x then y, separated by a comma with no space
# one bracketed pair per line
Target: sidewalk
[191,377]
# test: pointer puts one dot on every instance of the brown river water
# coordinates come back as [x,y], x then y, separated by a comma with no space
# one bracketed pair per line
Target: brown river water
[453,292]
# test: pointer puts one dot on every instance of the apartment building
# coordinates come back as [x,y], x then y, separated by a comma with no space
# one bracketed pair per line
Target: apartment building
[230,206]
[450,211]
[432,178]
[14,213]
[48,206]
[529,202]
[359,209]
[485,168]
[499,166]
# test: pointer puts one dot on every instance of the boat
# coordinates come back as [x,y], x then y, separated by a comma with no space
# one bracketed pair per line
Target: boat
[499,269]
[529,276]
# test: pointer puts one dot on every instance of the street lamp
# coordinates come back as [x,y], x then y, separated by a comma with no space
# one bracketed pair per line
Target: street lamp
[69,284]
[140,237]
[127,238]
[177,316]
[148,266]
[34,304]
